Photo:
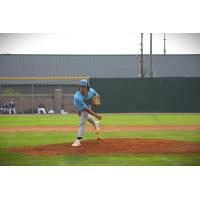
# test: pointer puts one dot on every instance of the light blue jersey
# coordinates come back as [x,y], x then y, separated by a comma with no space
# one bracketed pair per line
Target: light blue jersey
[82,102]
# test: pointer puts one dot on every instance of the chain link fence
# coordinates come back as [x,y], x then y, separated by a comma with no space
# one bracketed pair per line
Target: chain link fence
[53,97]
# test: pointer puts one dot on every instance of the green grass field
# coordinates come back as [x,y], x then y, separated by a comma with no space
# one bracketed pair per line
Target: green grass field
[20,139]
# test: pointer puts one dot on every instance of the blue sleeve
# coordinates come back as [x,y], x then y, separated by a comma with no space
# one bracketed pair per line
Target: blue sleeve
[80,104]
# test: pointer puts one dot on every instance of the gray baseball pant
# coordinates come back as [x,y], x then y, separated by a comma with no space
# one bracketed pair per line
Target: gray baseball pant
[84,116]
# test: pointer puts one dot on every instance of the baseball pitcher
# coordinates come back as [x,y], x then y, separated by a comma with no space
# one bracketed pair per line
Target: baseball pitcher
[83,99]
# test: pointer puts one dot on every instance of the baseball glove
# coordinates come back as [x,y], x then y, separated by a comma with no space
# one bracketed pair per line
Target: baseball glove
[96,100]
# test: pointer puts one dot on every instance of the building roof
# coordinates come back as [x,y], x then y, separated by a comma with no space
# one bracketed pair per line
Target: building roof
[94,66]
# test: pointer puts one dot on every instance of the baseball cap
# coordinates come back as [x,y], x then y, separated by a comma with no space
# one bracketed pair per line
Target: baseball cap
[84,82]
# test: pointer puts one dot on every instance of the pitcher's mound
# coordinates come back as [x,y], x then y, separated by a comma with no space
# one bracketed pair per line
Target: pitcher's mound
[114,146]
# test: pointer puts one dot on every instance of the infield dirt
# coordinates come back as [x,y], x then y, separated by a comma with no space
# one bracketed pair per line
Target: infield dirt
[114,146]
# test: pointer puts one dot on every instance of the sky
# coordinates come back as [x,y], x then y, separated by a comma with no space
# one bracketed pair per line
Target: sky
[102,43]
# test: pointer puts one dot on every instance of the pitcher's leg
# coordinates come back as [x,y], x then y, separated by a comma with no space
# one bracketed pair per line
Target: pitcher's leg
[91,120]
[83,119]
[84,116]
[95,124]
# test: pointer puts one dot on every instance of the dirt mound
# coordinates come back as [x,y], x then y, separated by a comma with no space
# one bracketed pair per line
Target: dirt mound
[113,146]
[104,128]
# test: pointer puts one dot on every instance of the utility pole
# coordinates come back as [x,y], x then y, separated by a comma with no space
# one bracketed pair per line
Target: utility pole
[142,58]
[164,45]
[32,98]
[151,70]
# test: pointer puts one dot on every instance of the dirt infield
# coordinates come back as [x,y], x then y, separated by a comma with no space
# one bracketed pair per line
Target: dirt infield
[106,128]
[113,146]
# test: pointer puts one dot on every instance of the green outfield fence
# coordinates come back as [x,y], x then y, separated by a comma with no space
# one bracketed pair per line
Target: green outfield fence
[148,95]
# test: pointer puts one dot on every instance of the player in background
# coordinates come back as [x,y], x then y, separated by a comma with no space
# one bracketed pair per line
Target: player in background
[12,108]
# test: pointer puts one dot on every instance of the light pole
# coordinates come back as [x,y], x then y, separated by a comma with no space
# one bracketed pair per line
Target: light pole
[151,70]
[142,58]
[164,45]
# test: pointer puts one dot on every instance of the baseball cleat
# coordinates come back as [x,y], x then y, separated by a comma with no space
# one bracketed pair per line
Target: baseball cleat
[76,143]
[98,138]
